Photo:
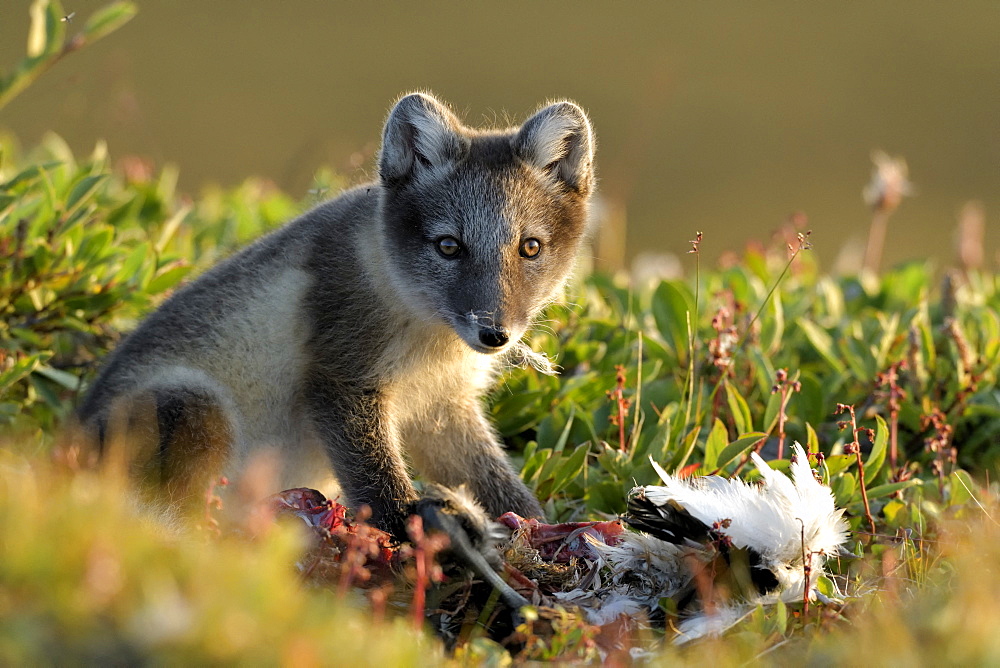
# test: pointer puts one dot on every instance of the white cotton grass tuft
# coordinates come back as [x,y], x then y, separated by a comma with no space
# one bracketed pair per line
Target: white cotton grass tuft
[889,184]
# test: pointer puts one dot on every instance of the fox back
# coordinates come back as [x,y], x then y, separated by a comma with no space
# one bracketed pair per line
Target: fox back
[362,335]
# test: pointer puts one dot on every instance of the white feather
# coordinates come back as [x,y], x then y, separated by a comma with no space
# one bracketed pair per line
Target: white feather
[764,518]
[781,519]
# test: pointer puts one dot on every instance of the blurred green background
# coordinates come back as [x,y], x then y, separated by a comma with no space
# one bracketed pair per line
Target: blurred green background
[720,117]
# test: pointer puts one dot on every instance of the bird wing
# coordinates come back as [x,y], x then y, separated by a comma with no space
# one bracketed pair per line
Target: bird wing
[767,518]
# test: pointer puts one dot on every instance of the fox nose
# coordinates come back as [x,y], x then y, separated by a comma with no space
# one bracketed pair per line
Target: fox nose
[494,337]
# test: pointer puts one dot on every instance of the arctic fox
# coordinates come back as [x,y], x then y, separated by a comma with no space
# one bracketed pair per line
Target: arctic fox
[361,337]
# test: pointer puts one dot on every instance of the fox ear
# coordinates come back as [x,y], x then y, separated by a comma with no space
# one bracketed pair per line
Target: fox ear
[421,133]
[559,140]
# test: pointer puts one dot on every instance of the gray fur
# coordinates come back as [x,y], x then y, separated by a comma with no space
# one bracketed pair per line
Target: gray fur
[346,338]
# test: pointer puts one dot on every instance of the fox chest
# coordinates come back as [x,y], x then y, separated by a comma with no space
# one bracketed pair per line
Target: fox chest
[430,381]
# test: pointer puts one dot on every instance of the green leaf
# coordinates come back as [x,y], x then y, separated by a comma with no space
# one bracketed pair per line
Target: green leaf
[108,19]
[38,297]
[7,203]
[571,467]
[877,456]
[739,447]
[45,35]
[715,444]
[564,436]
[513,413]
[30,174]
[928,352]
[44,390]
[812,440]
[961,487]
[671,307]
[606,496]
[659,445]
[129,271]
[94,245]
[843,488]
[653,349]
[822,342]
[890,488]
[859,357]
[763,371]
[21,368]
[889,327]
[168,278]
[739,409]
[773,328]
[530,466]
[36,31]
[92,303]
[557,471]
[613,460]
[825,586]
[82,191]
[893,512]
[781,617]
[812,399]
[170,227]
[771,412]
[67,380]
[688,447]
[836,464]
[41,259]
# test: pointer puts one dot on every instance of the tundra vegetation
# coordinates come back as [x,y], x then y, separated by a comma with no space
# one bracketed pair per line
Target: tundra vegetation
[891,377]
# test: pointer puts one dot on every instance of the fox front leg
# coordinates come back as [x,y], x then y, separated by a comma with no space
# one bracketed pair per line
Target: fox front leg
[461,448]
[365,455]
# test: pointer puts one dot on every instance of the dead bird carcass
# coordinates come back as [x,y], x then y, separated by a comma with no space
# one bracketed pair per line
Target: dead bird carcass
[718,547]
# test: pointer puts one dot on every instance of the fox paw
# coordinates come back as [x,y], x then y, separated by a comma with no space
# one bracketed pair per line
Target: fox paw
[473,535]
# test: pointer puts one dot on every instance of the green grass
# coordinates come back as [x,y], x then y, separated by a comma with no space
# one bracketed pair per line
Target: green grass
[85,578]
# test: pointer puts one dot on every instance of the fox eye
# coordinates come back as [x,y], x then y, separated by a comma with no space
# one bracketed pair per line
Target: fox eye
[530,247]
[448,246]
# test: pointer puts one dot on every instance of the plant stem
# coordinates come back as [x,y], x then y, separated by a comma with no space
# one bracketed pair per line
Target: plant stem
[781,422]
[807,571]
[856,447]
[864,491]
[876,241]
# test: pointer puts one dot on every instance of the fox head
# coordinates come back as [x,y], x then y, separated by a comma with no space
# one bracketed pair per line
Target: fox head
[480,228]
